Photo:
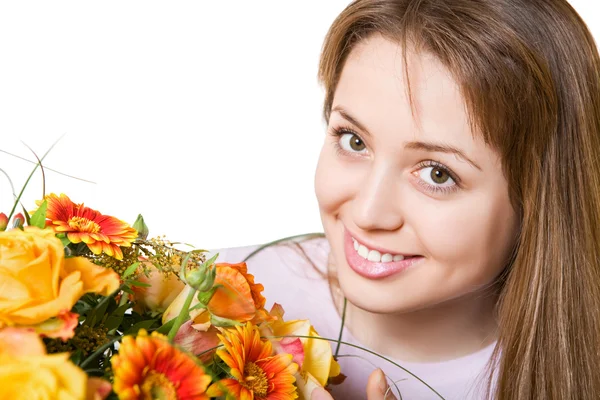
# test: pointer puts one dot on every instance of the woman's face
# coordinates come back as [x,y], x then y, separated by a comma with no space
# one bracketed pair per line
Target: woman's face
[420,195]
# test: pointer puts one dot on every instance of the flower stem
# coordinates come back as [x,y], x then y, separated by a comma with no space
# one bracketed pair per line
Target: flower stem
[295,237]
[37,164]
[364,349]
[99,351]
[339,341]
[183,315]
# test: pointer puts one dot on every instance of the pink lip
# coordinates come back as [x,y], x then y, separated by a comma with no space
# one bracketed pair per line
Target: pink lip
[374,270]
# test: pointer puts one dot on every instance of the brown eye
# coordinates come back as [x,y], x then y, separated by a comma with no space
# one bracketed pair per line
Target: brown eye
[439,175]
[352,143]
[436,177]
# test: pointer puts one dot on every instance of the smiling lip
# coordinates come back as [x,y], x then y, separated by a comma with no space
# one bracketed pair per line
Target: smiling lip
[374,270]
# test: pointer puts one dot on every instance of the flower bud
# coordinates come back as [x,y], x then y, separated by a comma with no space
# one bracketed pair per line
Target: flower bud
[140,226]
[201,279]
[3,222]
[18,221]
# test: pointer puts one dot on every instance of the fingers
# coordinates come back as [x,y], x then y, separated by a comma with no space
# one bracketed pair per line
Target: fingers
[377,387]
[97,389]
[320,394]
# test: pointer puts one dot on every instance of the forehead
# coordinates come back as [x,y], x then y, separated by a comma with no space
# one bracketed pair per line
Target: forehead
[374,85]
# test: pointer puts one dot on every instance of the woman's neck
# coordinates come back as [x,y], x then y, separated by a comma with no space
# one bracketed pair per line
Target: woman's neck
[448,331]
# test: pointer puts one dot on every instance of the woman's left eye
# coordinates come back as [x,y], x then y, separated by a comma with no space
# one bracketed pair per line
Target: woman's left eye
[436,177]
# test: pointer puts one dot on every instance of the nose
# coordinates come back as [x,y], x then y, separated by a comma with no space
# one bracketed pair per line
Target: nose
[377,204]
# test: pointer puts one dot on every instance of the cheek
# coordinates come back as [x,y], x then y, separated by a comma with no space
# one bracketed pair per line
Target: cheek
[334,183]
[471,240]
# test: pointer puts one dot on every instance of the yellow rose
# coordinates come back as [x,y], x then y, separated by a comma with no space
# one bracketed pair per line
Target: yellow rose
[41,377]
[37,282]
[317,356]
[27,373]
[161,292]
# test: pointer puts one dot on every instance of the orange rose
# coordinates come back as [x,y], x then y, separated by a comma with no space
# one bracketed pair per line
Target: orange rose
[37,282]
[238,298]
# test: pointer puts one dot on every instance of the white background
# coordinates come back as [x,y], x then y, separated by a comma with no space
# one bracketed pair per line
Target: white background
[205,117]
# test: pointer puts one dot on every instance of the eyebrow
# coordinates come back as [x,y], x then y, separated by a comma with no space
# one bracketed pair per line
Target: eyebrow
[351,119]
[416,145]
[440,148]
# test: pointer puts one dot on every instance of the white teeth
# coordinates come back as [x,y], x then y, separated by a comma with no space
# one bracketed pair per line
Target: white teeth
[374,256]
[363,251]
[386,257]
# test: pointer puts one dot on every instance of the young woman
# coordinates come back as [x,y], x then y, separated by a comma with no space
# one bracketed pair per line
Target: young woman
[459,193]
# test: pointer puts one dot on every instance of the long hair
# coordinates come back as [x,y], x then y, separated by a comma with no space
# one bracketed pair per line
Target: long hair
[529,72]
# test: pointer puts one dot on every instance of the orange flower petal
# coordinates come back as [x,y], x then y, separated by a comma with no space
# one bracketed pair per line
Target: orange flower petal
[83,224]
[143,358]
[249,356]
[234,299]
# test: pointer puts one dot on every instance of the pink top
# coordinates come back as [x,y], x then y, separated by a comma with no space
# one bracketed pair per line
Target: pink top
[290,280]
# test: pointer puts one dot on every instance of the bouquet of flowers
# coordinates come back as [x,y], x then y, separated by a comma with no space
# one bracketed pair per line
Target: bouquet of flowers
[92,308]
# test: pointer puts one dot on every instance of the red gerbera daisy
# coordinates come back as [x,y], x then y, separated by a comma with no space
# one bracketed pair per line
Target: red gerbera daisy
[149,367]
[101,233]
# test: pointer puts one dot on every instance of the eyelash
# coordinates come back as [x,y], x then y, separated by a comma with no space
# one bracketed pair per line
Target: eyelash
[439,189]
[338,132]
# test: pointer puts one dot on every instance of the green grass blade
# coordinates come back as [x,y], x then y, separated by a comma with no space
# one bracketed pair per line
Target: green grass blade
[29,178]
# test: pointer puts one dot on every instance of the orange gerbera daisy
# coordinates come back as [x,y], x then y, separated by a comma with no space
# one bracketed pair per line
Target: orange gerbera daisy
[149,367]
[255,372]
[101,233]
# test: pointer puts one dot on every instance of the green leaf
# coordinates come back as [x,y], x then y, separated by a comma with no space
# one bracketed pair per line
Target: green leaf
[164,329]
[210,261]
[76,356]
[116,317]
[131,269]
[204,297]
[223,322]
[127,289]
[64,239]
[82,307]
[39,217]
[133,282]
[140,325]
[97,314]
[27,217]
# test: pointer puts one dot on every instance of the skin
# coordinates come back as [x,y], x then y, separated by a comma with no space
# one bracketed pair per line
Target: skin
[377,389]
[385,190]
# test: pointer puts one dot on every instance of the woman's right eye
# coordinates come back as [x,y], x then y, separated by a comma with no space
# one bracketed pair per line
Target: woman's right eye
[351,142]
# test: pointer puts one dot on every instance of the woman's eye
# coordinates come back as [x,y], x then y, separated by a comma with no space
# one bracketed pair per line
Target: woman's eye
[436,176]
[350,142]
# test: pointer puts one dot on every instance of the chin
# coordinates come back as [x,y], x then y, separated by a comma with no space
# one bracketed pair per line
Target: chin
[390,296]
